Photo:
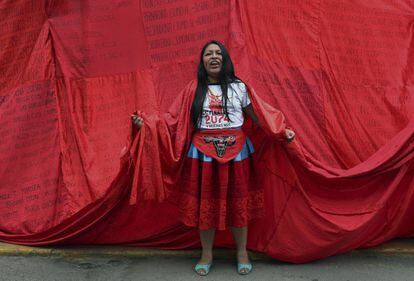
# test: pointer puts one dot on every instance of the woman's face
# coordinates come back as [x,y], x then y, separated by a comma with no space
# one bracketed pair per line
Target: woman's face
[213,61]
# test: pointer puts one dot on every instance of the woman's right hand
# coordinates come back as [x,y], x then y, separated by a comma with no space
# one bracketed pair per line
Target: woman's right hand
[137,119]
[290,135]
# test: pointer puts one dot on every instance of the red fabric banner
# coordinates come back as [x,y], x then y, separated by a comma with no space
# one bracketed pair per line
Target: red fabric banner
[72,72]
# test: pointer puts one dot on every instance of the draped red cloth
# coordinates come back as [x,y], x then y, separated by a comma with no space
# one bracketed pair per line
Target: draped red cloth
[158,149]
[71,73]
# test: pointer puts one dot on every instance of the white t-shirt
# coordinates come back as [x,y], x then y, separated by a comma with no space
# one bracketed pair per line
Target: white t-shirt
[213,116]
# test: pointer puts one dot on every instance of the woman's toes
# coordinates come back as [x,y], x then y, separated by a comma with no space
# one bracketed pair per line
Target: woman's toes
[201,272]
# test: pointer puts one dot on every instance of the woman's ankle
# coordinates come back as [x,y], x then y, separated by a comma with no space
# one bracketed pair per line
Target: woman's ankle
[206,256]
[242,252]
[242,256]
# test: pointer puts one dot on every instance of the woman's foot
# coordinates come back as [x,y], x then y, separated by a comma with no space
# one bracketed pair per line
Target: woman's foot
[244,268]
[203,266]
[243,263]
[202,269]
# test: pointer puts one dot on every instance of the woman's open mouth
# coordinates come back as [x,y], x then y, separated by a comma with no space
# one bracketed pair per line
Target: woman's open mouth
[214,64]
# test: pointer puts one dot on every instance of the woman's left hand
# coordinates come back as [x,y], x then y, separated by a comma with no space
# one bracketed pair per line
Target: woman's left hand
[137,119]
[290,135]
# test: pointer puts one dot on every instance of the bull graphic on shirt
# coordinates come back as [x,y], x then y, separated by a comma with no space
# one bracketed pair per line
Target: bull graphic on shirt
[220,143]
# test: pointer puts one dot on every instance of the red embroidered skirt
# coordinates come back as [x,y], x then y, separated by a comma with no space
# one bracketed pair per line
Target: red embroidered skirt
[220,195]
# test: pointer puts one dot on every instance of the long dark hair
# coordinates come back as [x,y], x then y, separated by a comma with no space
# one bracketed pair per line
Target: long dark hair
[226,76]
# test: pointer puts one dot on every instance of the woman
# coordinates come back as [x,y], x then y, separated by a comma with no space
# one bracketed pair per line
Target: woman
[219,189]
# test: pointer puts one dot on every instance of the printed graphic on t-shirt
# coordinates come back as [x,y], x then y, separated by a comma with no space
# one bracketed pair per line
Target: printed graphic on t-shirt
[214,116]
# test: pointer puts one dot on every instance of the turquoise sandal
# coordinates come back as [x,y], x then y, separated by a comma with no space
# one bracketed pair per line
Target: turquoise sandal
[205,267]
[244,268]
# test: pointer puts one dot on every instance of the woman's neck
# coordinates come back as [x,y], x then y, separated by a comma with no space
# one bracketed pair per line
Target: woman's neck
[212,79]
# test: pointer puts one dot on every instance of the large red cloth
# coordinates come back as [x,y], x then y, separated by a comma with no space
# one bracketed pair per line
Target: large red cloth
[163,170]
[158,150]
[72,72]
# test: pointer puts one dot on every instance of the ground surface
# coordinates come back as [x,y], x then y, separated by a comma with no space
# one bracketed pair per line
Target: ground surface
[352,267]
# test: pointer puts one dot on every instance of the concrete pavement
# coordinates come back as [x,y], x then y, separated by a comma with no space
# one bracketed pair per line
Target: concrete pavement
[392,261]
[346,267]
